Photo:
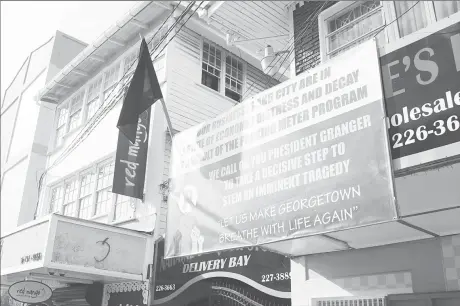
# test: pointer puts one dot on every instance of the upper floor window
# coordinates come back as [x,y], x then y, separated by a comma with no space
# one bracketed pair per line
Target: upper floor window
[353,26]
[213,61]
[76,104]
[55,199]
[348,24]
[129,63]
[443,9]
[111,77]
[93,101]
[61,130]
[88,195]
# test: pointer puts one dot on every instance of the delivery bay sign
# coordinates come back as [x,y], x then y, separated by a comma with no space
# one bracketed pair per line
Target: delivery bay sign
[262,276]
[308,156]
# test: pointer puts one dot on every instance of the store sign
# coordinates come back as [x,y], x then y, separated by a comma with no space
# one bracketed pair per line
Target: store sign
[422,94]
[258,274]
[30,292]
[305,157]
[79,245]
[131,160]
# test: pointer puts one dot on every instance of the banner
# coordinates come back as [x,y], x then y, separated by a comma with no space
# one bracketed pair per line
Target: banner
[422,93]
[253,275]
[307,156]
[131,160]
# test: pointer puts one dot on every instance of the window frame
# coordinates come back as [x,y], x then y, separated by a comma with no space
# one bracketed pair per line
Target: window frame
[83,93]
[77,177]
[392,33]
[223,69]
[336,9]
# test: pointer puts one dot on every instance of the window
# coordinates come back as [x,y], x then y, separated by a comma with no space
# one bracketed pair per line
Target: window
[110,77]
[346,25]
[444,9]
[353,26]
[55,200]
[61,124]
[104,186]
[212,66]
[88,194]
[70,195]
[123,208]
[129,64]
[94,91]
[85,210]
[411,16]
[75,110]
[233,78]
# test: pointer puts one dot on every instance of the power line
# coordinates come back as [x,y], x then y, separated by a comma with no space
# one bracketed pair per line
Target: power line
[397,18]
[102,111]
[113,102]
[312,20]
[112,99]
[288,46]
[383,28]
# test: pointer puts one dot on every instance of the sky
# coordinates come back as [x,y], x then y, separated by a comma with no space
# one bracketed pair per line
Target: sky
[25,25]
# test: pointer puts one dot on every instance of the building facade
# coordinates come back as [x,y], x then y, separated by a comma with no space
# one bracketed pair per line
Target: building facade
[200,76]
[205,67]
[23,151]
[399,267]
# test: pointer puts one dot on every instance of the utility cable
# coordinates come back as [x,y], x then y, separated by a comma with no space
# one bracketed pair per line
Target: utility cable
[101,110]
[287,47]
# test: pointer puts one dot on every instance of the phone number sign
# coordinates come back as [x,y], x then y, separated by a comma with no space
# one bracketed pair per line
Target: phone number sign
[422,94]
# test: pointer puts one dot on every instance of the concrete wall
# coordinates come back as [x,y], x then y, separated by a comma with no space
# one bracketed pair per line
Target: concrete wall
[26,130]
[65,49]
[412,267]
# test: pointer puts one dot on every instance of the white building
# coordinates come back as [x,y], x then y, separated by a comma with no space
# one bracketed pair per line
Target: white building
[200,77]
[417,257]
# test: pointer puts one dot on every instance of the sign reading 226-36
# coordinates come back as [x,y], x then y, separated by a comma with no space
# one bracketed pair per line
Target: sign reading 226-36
[422,97]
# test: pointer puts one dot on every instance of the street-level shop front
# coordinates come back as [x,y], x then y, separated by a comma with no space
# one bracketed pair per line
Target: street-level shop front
[74,257]
[351,168]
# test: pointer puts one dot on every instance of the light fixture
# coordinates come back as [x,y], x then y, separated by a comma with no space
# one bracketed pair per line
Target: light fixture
[269,63]
[63,279]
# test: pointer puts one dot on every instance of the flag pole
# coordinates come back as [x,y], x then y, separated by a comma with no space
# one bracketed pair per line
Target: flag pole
[163,104]
[165,111]
[153,267]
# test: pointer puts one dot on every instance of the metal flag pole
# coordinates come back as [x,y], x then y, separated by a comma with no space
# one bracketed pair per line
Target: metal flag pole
[153,267]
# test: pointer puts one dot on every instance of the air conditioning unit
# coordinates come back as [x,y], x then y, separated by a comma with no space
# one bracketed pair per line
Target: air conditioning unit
[350,301]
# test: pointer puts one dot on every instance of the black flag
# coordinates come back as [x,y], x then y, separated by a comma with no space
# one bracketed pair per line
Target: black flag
[143,91]
[133,125]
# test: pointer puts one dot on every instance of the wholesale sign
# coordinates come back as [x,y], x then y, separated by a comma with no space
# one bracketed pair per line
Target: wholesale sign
[305,157]
[253,274]
[422,93]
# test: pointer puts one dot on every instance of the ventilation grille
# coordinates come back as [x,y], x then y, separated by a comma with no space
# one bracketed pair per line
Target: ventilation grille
[351,301]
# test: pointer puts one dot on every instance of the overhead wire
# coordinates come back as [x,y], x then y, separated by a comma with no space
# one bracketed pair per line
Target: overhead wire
[111,104]
[301,36]
[383,28]
[106,106]
[102,111]
[287,47]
